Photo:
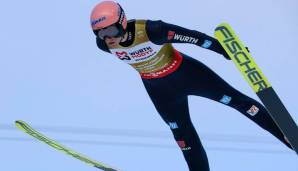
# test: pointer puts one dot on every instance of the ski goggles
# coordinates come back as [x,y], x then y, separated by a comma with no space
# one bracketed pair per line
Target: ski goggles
[115,30]
[110,31]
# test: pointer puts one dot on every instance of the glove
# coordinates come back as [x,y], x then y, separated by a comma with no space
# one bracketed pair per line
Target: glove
[225,54]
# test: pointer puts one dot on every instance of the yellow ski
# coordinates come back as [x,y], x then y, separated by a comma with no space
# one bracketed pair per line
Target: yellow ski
[259,83]
[29,130]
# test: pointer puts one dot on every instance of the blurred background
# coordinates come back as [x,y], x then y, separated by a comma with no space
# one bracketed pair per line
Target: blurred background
[54,77]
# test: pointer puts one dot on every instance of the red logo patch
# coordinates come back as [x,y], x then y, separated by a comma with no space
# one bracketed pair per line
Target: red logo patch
[181,144]
[171,35]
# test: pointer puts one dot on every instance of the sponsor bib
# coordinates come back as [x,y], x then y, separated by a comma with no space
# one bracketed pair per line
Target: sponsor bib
[140,53]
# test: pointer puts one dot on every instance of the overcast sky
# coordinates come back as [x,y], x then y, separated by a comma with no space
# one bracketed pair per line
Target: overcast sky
[54,77]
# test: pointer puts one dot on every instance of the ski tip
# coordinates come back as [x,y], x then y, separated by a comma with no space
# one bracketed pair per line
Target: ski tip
[19,121]
[225,24]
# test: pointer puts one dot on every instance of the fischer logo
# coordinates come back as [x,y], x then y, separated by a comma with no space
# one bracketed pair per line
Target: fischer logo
[94,22]
[245,63]
[171,35]
[141,52]
[187,39]
[123,55]
[182,145]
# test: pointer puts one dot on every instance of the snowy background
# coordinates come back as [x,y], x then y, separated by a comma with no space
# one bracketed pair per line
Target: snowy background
[54,77]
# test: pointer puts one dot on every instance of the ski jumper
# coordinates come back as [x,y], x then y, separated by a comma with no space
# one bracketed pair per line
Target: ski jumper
[170,76]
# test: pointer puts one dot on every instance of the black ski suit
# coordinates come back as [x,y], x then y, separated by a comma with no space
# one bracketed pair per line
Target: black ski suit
[170,86]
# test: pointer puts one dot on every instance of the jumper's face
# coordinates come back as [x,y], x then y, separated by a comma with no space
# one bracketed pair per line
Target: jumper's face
[112,41]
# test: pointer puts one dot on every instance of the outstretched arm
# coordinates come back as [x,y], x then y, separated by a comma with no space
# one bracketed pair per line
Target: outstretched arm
[160,32]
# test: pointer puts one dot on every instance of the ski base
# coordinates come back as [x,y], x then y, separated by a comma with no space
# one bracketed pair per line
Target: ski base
[259,83]
[30,131]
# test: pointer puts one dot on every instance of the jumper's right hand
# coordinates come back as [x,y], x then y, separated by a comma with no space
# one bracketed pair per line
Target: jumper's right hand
[225,54]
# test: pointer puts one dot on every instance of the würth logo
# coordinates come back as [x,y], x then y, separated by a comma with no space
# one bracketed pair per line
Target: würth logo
[187,39]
